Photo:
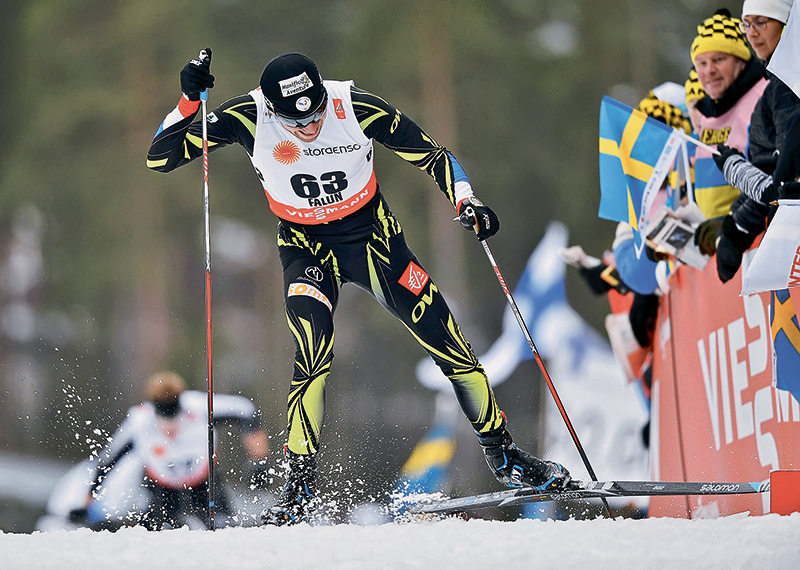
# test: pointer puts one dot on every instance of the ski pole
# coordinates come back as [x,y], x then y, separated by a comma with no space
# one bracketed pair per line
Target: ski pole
[469,215]
[206,59]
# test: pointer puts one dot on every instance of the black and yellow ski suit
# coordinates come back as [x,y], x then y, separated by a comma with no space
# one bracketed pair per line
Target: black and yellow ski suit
[363,245]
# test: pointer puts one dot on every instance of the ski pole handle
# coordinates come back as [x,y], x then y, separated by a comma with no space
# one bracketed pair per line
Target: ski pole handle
[469,219]
[205,59]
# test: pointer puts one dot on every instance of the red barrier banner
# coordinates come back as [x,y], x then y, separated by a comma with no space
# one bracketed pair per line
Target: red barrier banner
[715,415]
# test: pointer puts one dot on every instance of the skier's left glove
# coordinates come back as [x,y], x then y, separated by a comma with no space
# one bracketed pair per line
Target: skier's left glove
[474,216]
[196,76]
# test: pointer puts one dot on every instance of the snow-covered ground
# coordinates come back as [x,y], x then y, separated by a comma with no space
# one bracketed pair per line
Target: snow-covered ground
[764,543]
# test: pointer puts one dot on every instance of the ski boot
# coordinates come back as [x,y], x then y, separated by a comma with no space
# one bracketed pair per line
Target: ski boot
[517,468]
[297,500]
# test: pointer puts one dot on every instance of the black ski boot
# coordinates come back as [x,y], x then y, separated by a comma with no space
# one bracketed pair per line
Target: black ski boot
[297,500]
[517,468]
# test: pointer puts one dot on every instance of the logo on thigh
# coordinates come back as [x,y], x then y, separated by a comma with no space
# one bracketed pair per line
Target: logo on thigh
[313,272]
[414,278]
[302,289]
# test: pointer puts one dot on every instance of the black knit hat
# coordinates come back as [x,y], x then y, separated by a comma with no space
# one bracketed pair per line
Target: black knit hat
[293,86]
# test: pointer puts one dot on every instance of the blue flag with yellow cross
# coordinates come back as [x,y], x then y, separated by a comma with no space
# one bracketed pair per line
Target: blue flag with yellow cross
[636,153]
[785,343]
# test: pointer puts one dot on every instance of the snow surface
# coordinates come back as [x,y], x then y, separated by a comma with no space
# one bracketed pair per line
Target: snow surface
[740,541]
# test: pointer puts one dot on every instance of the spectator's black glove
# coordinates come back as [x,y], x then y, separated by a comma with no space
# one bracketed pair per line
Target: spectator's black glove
[593,278]
[642,317]
[749,215]
[705,236]
[730,248]
[259,475]
[474,216]
[789,190]
[196,76]
[601,278]
[655,255]
[725,153]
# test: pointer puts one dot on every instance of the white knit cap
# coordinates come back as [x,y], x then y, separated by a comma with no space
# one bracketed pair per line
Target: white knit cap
[775,9]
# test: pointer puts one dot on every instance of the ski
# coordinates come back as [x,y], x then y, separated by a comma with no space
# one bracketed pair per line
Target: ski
[585,490]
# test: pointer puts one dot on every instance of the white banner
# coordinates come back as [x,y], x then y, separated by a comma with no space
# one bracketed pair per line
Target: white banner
[776,263]
[784,62]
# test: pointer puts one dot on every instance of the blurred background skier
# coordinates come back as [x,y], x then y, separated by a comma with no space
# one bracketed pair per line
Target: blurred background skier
[154,470]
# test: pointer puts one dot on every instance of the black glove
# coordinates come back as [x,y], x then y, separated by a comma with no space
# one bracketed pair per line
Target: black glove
[472,213]
[790,190]
[725,153]
[259,475]
[642,317]
[750,216]
[705,236]
[730,248]
[592,276]
[196,76]
[601,278]
[78,516]
[655,255]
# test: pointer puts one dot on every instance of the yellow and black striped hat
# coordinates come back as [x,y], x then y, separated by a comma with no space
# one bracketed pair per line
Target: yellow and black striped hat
[665,112]
[693,88]
[721,33]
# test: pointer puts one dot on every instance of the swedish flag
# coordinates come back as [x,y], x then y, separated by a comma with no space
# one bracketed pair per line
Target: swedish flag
[631,144]
[785,343]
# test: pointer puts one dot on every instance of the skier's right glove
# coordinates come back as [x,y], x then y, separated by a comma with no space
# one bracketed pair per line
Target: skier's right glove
[474,216]
[196,76]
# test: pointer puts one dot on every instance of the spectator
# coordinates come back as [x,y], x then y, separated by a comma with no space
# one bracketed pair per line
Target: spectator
[733,83]
[763,22]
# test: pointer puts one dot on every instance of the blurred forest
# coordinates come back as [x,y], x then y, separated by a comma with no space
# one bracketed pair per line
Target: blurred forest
[101,260]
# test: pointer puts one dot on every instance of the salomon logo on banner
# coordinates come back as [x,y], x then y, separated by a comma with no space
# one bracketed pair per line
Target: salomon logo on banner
[414,278]
[286,152]
[338,106]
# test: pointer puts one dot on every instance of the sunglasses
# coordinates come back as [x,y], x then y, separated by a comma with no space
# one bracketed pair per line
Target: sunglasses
[295,123]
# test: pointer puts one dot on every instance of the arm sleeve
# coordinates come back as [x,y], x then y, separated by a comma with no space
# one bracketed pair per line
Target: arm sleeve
[236,409]
[386,124]
[120,444]
[750,181]
[179,139]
